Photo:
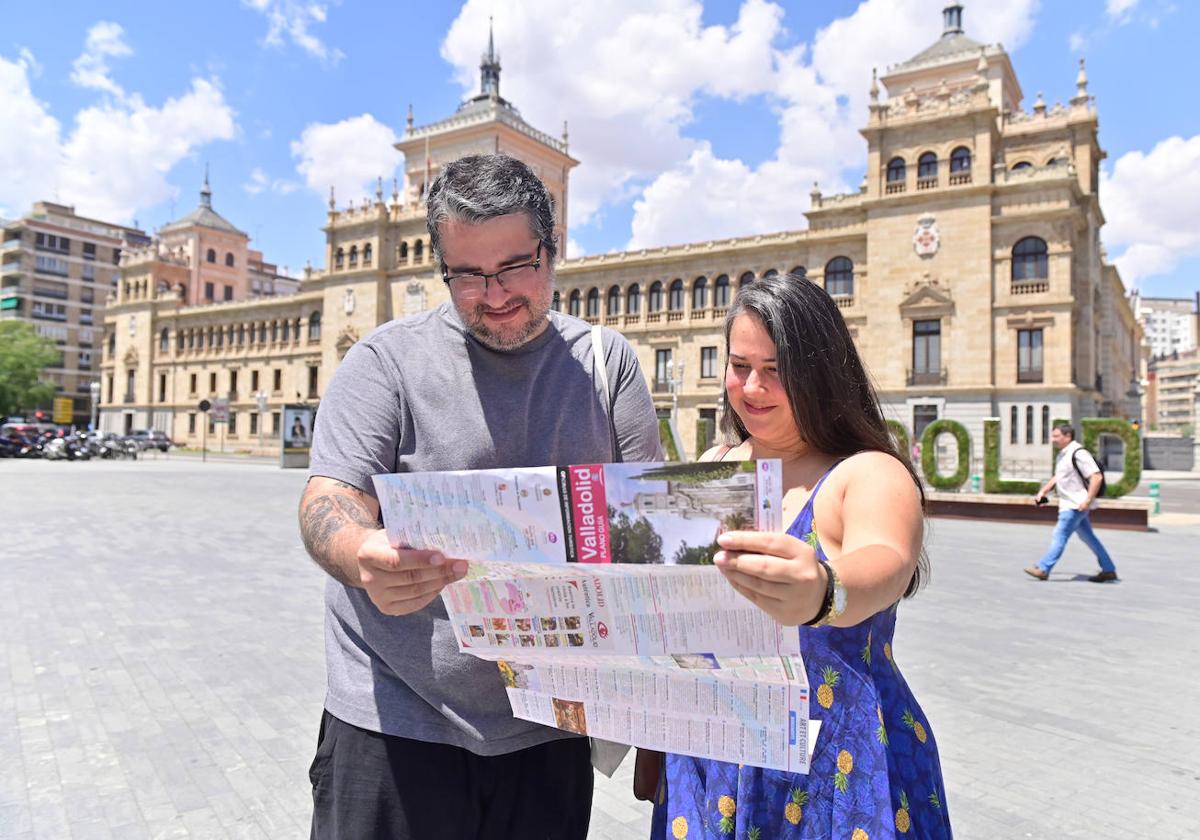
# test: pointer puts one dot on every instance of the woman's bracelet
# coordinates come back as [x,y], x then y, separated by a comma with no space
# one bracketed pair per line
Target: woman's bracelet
[834,602]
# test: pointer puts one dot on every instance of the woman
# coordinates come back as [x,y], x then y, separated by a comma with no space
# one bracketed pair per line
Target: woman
[798,392]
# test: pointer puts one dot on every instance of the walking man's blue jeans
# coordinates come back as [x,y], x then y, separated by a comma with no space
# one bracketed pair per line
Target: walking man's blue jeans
[1071,522]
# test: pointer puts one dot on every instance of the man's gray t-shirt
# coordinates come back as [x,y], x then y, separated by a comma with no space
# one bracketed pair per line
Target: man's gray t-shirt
[422,394]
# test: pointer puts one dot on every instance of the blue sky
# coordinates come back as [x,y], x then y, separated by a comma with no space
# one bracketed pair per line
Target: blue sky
[692,120]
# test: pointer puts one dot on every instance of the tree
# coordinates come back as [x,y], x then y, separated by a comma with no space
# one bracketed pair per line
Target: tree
[24,354]
[695,555]
[633,540]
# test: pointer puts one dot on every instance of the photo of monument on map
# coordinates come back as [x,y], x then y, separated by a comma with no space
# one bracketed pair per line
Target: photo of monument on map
[673,513]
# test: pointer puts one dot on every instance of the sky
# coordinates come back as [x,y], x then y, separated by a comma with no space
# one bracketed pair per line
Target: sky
[692,120]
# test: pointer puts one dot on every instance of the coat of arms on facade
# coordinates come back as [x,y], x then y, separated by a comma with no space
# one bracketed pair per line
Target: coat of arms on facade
[926,238]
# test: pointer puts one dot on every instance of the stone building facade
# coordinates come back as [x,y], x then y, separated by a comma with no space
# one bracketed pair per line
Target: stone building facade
[968,266]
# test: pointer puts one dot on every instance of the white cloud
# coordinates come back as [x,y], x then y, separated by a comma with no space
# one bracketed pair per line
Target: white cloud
[1151,202]
[290,19]
[347,155]
[261,182]
[117,155]
[1076,42]
[104,40]
[628,73]
[625,73]
[574,250]
[1120,10]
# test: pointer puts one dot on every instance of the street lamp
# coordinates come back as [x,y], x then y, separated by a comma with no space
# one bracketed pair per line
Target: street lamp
[94,387]
[261,398]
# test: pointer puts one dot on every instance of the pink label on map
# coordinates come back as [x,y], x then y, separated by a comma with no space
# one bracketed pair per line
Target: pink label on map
[589,512]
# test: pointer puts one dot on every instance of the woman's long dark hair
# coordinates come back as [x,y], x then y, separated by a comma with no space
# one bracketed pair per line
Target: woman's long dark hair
[833,401]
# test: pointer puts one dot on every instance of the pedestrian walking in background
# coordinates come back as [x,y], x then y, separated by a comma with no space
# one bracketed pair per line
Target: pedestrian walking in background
[1079,482]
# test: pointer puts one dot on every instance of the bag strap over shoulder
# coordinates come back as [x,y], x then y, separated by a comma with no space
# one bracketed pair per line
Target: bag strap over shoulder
[600,371]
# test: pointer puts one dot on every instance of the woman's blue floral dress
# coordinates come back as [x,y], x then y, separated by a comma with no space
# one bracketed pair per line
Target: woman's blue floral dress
[874,773]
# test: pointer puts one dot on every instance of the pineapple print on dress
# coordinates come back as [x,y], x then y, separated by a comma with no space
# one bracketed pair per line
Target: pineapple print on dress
[793,812]
[679,828]
[859,834]
[915,725]
[825,689]
[881,730]
[727,808]
[845,763]
[903,821]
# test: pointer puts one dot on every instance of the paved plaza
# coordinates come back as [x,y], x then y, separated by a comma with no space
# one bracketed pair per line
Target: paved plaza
[161,666]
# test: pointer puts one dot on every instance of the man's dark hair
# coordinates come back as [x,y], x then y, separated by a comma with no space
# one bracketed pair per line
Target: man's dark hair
[832,399]
[1066,429]
[476,188]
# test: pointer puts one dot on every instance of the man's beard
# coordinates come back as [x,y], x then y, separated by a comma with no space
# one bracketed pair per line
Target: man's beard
[510,339]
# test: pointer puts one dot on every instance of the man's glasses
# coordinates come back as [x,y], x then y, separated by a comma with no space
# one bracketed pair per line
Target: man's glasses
[474,285]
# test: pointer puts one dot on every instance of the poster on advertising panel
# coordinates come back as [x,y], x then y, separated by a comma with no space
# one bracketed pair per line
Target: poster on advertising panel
[296,435]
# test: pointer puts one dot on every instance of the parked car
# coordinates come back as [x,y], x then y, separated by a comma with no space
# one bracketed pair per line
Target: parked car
[150,439]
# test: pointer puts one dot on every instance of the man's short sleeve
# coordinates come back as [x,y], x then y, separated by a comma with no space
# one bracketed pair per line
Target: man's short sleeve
[634,418]
[358,425]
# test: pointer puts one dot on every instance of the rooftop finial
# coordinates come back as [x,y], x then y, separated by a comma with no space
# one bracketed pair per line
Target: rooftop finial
[206,191]
[566,137]
[874,85]
[379,188]
[952,20]
[409,121]
[332,203]
[489,69]
[1081,83]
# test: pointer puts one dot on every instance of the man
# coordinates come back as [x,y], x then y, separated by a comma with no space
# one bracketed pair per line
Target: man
[418,740]
[1075,501]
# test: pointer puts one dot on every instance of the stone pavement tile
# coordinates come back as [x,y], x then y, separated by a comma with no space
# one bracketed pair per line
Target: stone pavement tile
[92,830]
[15,818]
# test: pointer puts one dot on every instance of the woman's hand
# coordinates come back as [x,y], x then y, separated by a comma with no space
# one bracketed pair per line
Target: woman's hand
[777,572]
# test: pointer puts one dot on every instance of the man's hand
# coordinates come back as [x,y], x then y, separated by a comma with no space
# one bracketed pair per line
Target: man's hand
[1083,506]
[1038,498]
[776,572]
[400,581]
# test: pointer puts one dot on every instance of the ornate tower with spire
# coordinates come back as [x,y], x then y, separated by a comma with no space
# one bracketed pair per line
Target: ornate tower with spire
[489,68]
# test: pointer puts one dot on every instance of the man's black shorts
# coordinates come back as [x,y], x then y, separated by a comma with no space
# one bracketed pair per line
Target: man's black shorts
[368,785]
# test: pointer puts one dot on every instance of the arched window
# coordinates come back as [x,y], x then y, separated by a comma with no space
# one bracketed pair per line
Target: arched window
[1014,429]
[1057,161]
[655,298]
[839,276]
[220,336]
[339,259]
[180,338]
[418,250]
[699,293]
[613,307]
[262,333]
[633,300]
[314,326]
[164,341]
[287,331]
[1030,259]
[241,334]
[593,303]
[296,329]
[721,292]
[799,271]
[927,165]
[746,279]
[404,252]
[675,298]
[112,343]
[274,331]
[895,171]
[770,272]
[229,259]
[960,160]
[353,256]
[556,302]
[1022,164]
[573,303]
[211,256]
[367,255]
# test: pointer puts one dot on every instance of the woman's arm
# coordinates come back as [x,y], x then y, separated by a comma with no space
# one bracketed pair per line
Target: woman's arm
[882,525]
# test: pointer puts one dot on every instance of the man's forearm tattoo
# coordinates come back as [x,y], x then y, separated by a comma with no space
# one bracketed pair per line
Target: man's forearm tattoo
[324,516]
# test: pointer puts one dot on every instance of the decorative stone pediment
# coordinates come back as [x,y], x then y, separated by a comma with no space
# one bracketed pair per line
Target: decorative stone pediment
[345,340]
[925,299]
[130,359]
[1030,320]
